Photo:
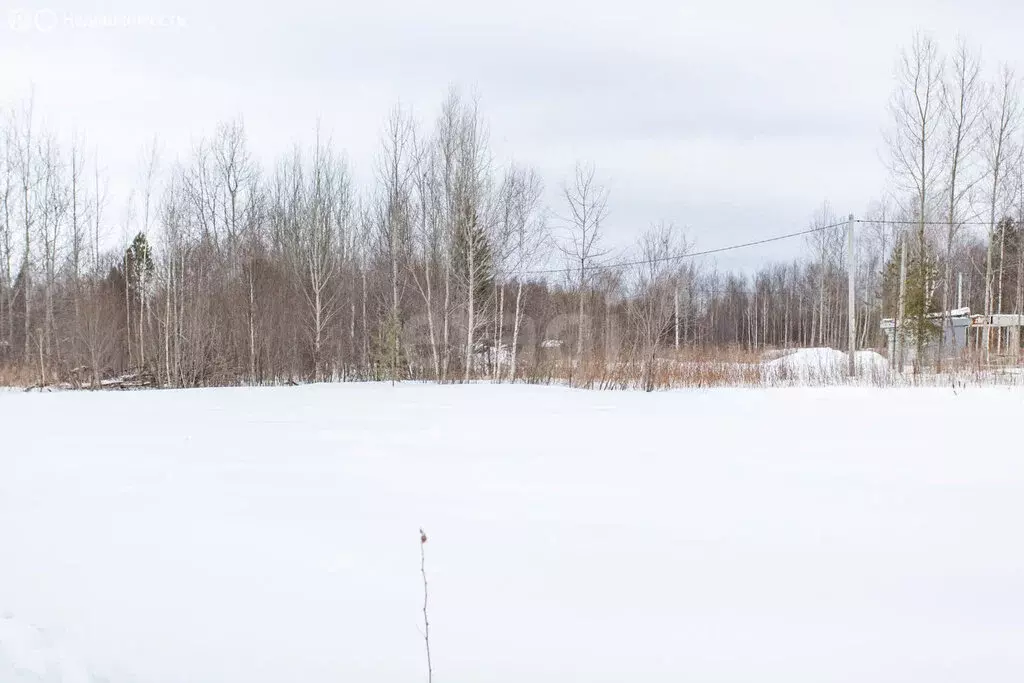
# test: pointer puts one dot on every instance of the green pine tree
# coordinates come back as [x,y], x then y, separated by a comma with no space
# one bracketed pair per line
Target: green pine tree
[138,261]
[915,302]
[472,257]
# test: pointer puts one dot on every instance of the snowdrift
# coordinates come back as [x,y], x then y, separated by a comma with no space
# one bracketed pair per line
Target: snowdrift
[824,366]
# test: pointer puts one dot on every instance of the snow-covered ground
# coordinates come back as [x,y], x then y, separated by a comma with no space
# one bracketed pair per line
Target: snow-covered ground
[267,535]
[28,654]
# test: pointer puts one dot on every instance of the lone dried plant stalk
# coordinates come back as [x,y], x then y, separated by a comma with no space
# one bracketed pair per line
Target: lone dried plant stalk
[426,618]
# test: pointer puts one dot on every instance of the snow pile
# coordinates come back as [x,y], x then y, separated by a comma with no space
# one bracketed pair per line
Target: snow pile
[30,655]
[823,366]
[808,366]
[265,535]
[871,364]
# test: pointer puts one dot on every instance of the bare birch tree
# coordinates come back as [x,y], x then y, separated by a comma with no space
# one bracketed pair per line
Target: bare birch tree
[826,246]
[915,147]
[325,212]
[77,237]
[7,218]
[661,249]
[243,219]
[53,202]
[962,109]
[472,223]
[394,220]
[26,169]
[1002,120]
[528,237]
[587,203]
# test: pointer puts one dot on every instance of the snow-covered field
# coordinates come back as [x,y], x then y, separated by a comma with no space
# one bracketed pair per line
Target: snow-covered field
[269,535]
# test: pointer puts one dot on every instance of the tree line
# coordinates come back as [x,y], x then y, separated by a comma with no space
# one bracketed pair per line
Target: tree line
[451,267]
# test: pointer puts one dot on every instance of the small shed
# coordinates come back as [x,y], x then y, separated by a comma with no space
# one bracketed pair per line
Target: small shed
[954,340]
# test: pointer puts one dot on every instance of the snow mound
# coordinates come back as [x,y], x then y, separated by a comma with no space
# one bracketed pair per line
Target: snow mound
[823,365]
[871,363]
[29,655]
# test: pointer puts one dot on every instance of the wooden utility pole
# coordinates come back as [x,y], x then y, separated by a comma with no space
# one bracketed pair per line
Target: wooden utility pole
[851,269]
[901,310]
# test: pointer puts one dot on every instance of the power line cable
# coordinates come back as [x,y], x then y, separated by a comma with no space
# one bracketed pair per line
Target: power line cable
[695,254]
[768,240]
[888,222]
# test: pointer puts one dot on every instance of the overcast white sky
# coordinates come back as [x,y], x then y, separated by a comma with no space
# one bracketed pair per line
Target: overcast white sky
[734,119]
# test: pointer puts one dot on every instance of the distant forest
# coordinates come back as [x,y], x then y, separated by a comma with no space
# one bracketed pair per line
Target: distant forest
[451,267]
